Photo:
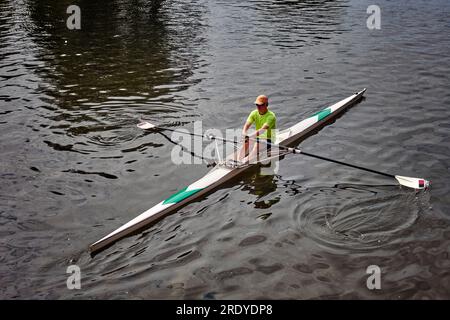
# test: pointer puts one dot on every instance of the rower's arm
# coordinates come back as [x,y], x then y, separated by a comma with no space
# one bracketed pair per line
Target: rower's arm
[245,128]
[260,131]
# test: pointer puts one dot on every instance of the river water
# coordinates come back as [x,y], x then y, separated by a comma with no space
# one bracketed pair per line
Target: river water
[75,167]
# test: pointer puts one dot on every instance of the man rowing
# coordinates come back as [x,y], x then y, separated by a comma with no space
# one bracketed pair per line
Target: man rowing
[265,124]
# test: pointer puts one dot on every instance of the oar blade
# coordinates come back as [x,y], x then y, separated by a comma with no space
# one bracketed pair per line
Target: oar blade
[145,125]
[415,183]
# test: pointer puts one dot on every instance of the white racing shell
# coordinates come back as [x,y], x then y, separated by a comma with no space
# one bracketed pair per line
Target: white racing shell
[221,174]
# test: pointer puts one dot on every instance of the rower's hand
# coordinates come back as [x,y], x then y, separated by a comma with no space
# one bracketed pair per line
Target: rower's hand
[244,138]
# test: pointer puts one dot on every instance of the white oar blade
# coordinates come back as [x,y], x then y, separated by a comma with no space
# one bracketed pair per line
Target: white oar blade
[146,125]
[415,183]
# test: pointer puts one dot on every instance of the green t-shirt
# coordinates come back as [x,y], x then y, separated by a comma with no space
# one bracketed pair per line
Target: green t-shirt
[259,120]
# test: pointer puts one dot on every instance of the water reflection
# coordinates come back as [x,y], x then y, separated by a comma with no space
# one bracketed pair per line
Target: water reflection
[261,185]
[127,58]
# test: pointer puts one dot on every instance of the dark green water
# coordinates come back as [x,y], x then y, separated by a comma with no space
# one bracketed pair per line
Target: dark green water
[75,167]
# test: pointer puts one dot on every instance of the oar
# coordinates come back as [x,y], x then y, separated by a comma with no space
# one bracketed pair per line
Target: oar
[410,182]
[145,125]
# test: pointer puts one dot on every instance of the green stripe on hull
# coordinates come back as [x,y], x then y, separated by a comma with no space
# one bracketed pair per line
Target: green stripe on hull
[180,195]
[322,114]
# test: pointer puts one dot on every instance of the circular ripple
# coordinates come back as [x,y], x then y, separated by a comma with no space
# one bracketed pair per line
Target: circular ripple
[353,222]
